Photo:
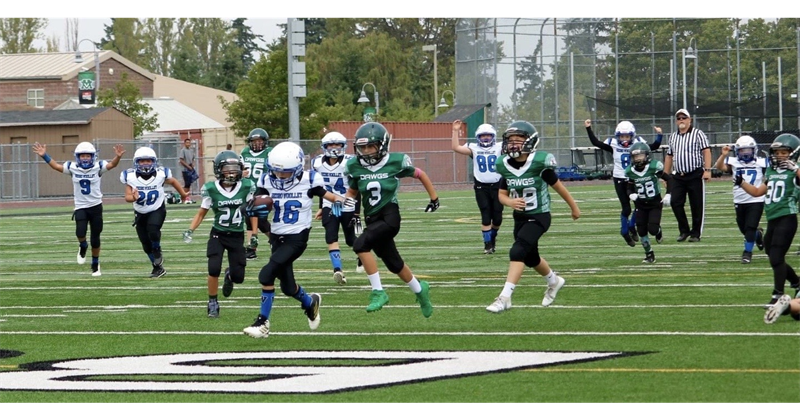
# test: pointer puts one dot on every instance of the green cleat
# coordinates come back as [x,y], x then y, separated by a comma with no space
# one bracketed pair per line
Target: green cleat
[377,299]
[424,299]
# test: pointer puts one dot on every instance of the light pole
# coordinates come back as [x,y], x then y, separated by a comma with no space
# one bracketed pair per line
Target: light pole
[363,98]
[443,103]
[435,77]
[687,53]
[79,59]
[693,52]
[738,82]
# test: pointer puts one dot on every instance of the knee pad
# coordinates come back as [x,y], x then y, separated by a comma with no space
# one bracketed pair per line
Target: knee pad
[653,229]
[237,274]
[214,267]
[517,252]
[394,264]
[267,274]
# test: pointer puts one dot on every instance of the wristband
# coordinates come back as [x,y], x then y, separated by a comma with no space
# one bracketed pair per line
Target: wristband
[46,158]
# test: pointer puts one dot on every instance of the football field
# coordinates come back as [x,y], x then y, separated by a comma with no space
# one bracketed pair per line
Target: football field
[688,328]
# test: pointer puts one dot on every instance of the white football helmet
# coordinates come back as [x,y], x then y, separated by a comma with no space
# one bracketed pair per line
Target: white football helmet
[144,153]
[334,137]
[483,130]
[84,148]
[745,149]
[285,159]
[625,127]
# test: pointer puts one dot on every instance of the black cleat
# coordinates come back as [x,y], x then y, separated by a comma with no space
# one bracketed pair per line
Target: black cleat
[659,236]
[747,257]
[694,239]
[158,271]
[683,237]
[312,312]
[487,248]
[760,238]
[250,253]
[649,258]
[629,240]
[227,285]
[158,257]
[634,235]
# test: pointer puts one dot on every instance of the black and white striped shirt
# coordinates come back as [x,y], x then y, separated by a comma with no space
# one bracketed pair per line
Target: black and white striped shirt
[687,150]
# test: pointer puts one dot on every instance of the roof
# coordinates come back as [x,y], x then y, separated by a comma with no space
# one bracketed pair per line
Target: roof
[173,116]
[59,117]
[57,65]
[202,99]
[460,112]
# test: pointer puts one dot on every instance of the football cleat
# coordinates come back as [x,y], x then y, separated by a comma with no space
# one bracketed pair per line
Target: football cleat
[629,240]
[259,329]
[250,253]
[339,278]
[96,270]
[377,299]
[312,312]
[552,291]
[659,236]
[487,248]
[158,271]
[634,235]
[777,309]
[649,258]
[359,266]
[158,257]
[213,309]
[82,255]
[760,238]
[747,257]
[424,299]
[227,284]
[500,304]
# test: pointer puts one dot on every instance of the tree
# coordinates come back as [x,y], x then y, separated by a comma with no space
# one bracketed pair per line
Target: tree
[245,39]
[126,98]
[124,36]
[17,34]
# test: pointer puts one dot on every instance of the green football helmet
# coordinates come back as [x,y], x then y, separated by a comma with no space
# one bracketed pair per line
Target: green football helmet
[228,167]
[372,133]
[524,129]
[785,141]
[257,134]
[640,155]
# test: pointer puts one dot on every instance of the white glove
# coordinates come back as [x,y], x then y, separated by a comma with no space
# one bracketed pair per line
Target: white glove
[789,165]
[666,200]
[187,236]
[349,202]
[633,196]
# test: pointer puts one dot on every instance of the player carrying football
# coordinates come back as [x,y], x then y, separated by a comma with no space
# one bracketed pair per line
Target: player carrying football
[293,191]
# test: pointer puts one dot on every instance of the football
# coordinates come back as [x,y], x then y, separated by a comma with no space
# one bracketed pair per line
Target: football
[263,199]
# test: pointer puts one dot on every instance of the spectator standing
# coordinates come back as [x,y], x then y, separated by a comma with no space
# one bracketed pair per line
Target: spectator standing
[187,158]
[689,161]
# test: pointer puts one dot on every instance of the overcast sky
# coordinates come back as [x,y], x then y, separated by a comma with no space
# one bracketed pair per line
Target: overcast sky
[93,29]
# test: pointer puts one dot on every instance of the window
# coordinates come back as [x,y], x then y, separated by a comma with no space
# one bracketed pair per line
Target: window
[36,98]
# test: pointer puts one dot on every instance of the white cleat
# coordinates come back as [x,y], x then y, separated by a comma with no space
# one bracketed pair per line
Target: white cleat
[97,273]
[313,312]
[360,268]
[500,304]
[774,312]
[339,278]
[552,291]
[81,259]
[258,330]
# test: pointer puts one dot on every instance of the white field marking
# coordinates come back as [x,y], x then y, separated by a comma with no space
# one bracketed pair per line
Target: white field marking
[426,333]
[32,316]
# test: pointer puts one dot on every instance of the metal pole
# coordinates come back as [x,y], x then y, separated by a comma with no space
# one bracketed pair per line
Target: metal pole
[696,61]
[555,73]
[780,96]
[683,59]
[541,72]
[738,83]
[571,99]
[97,69]
[616,66]
[435,81]
[798,78]
[293,102]
[671,92]
[653,76]
[764,90]
[730,121]
[514,93]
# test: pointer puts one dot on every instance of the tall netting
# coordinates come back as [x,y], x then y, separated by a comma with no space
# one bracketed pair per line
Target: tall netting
[734,76]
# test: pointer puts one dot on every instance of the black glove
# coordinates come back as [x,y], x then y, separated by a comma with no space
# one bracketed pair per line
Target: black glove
[432,206]
[737,180]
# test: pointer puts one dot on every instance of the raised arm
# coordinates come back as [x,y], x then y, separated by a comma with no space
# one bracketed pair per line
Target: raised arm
[655,145]
[118,152]
[592,138]
[459,148]
[41,150]
[720,163]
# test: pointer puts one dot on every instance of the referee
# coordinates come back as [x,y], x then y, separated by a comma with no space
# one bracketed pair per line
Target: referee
[689,161]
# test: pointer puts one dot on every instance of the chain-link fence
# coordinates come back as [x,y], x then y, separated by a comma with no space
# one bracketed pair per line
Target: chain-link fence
[735,76]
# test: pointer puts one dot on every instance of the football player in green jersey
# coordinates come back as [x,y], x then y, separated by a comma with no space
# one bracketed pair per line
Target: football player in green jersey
[254,158]
[526,174]
[227,197]
[645,192]
[376,173]
[781,188]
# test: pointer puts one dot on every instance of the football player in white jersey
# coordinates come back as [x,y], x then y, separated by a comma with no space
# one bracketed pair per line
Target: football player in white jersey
[485,153]
[751,167]
[144,187]
[293,191]
[330,167]
[85,171]
[620,147]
